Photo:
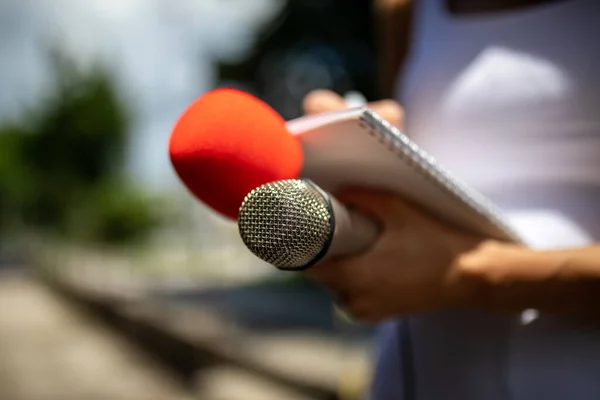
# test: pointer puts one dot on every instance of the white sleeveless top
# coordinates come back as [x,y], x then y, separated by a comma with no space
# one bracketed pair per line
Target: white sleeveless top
[510,103]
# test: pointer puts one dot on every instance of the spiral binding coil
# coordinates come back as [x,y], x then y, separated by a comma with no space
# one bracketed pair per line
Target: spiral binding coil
[405,148]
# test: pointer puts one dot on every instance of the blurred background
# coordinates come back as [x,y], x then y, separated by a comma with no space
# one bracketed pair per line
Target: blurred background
[114,282]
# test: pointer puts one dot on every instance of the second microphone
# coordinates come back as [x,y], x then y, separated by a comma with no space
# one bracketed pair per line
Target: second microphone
[293,224]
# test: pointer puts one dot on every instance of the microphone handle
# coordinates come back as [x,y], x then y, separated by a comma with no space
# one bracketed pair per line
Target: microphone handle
[354,233]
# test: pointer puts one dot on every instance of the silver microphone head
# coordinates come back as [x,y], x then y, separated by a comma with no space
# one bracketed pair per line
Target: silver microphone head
[287,223]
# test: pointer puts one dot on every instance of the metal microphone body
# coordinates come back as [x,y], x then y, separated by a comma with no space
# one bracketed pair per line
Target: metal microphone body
[293,224]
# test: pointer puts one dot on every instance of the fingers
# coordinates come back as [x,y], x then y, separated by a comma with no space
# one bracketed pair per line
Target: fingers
[349,288]
[389,110]
[336,279]
[322,101]
[334,275]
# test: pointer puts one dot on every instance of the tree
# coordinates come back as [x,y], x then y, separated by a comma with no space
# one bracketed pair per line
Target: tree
[62,167]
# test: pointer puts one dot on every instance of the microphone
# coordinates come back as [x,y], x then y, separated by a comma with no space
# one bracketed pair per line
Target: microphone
[228,142]
[293,224]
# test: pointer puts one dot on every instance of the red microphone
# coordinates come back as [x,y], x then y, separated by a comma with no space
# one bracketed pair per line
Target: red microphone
[228,143]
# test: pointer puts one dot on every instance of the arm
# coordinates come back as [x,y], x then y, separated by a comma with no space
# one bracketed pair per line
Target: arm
[419,264]
[510,278]
[393,20]
[393,23]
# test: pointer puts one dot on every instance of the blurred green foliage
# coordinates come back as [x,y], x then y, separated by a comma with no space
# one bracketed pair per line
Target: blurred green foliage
[62,164]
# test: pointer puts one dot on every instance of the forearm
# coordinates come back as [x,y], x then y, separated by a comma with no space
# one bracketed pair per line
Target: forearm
[394,25]
[512,278]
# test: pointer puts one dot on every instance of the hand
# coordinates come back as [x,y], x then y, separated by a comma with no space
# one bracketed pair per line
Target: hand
[413,267]
[321,101]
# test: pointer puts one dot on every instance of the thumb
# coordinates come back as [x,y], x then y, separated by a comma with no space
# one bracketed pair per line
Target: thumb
[371,202]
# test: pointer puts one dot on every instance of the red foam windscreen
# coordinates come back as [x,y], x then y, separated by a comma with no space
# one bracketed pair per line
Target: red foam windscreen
[228,143]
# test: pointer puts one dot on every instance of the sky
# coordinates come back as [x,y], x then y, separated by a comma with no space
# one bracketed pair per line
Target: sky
[161,50]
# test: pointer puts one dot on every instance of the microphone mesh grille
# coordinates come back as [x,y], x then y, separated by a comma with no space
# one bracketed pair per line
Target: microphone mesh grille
[285,223]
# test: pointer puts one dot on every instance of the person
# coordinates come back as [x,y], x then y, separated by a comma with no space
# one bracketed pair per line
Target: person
[506,95]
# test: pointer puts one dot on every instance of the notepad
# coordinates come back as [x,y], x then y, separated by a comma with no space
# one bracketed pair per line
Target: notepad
[356,147]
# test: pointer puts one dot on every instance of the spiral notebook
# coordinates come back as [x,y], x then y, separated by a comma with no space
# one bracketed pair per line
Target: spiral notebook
[356,147]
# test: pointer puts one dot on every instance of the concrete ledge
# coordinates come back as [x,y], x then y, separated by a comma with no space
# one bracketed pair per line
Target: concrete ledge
[189,340]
